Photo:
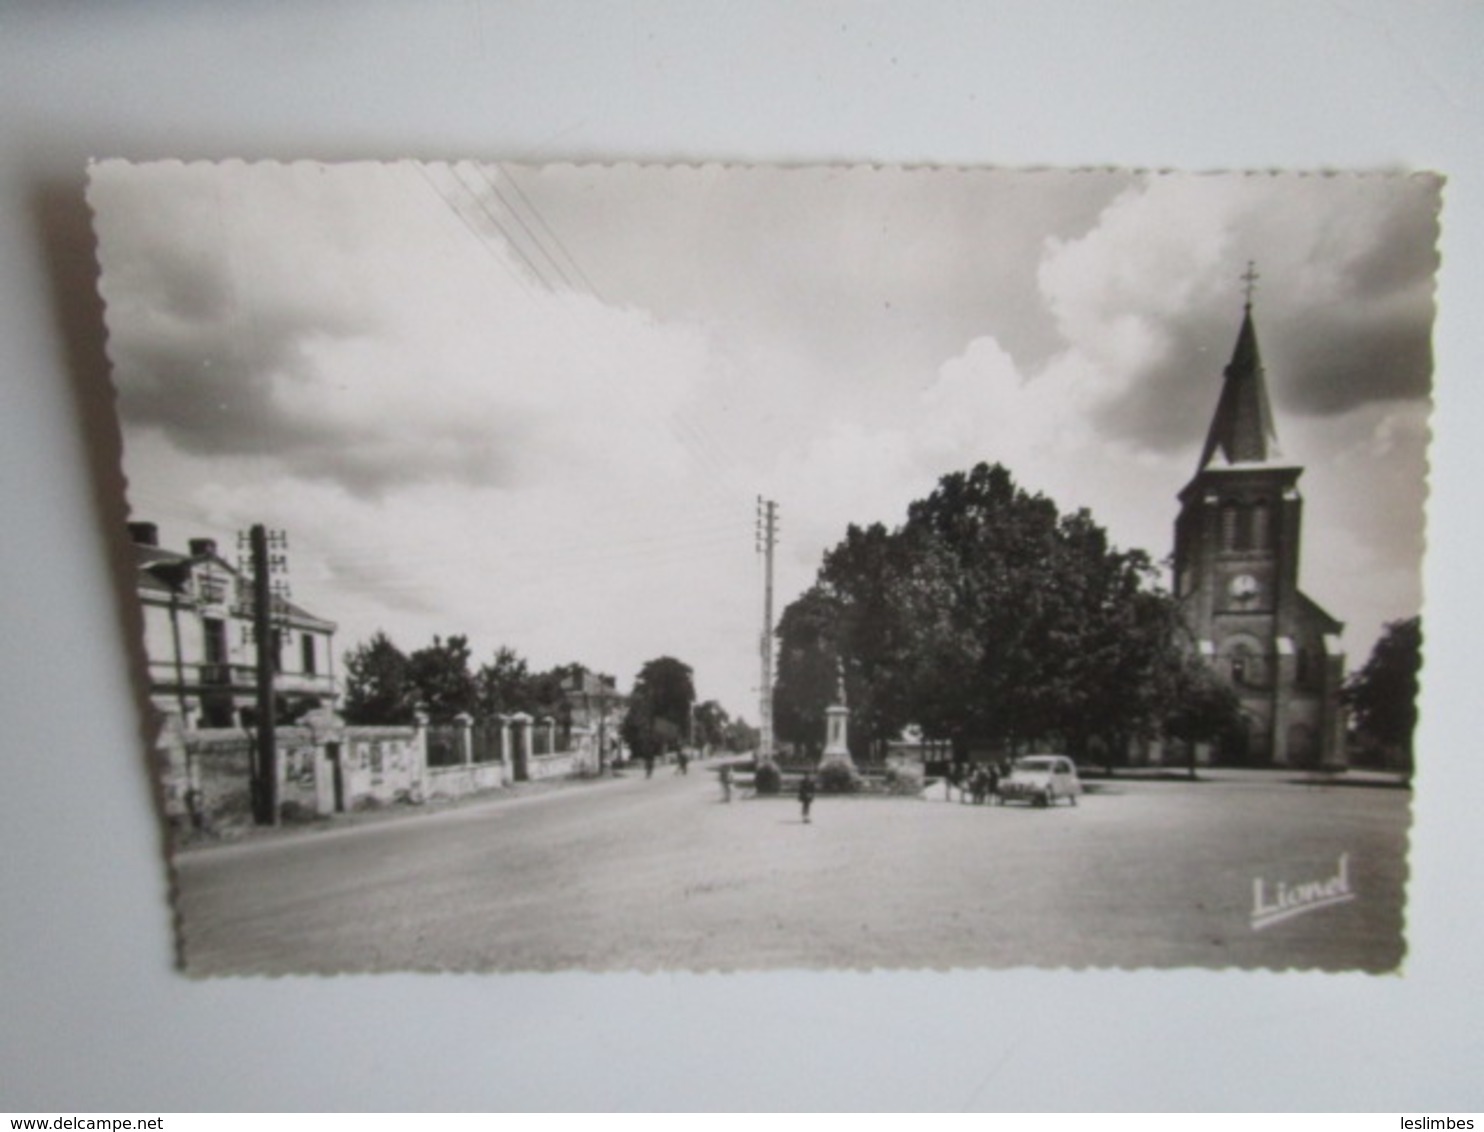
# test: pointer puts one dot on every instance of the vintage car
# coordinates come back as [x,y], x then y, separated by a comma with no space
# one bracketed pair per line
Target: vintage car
[1041,780]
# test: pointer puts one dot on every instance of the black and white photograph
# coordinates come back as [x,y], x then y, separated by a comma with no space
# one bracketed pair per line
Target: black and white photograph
[726,568]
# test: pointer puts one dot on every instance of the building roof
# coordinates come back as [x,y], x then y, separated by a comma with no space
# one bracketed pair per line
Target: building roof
[158,568]
[1242,429]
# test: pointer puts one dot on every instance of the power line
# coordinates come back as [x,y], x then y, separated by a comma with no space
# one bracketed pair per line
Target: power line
[540,220]
[478,238]
[510,242]
[526,228]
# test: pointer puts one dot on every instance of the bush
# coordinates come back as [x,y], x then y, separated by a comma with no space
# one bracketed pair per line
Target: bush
[903,780]
[768,779]
[838,778]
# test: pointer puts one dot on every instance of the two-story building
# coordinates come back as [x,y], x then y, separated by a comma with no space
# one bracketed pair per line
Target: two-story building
[200,643]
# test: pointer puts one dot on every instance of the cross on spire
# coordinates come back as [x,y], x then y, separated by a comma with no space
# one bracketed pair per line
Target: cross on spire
[1249,282]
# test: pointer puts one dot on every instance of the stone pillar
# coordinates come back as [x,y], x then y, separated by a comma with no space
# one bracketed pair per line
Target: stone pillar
[522,759]
[836,748]
[465,722]
[420,745]
[507,762]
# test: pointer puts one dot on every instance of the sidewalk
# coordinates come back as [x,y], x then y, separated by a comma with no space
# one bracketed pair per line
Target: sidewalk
[190,841]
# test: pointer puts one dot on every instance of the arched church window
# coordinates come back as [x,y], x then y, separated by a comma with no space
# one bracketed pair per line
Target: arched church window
[1229,526]
[1261,519]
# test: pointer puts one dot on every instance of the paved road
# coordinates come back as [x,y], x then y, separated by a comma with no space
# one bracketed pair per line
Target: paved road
[658,874]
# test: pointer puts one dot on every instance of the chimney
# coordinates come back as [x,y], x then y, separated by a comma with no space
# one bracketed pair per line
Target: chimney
[203,548]
[144,534]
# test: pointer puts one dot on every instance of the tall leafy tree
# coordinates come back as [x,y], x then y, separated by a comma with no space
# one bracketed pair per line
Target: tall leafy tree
[1200,706]
[445,685]
[712,722]
[548,692]
[502,684]
[378,685]
[868,578]
[808,669]
[988,617]
[658,716]
[740,736]
[1382,696]
[987,659]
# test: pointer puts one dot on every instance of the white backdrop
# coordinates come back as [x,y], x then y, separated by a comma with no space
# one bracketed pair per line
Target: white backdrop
[95,1016]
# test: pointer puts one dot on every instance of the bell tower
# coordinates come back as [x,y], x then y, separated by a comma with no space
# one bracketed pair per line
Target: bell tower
[1237,543]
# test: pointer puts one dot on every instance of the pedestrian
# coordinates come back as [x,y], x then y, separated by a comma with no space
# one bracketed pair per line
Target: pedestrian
[806,795]
[648,765]
[682,762]
[726,783]
[992,783]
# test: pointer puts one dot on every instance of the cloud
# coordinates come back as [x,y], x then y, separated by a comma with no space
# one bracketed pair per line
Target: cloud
[1344,307]
[286,318]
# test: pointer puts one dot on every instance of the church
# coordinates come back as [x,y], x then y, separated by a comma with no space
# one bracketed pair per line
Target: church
[1236,576]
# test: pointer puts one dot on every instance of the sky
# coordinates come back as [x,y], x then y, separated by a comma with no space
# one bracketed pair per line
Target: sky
[538,405]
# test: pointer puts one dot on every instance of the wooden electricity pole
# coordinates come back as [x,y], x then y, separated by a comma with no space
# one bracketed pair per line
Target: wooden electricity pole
[265,766]
[767,539]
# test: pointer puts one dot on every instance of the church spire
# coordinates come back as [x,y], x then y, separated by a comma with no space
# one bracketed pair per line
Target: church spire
[1242,430]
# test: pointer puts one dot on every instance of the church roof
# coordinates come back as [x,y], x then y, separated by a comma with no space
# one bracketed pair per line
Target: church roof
[1242,429]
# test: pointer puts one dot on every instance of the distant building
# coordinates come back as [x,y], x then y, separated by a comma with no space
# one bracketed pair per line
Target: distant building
[198,635]
[1237,542]
[596,709]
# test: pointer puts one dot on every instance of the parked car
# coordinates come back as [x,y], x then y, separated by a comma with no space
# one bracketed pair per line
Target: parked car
[1041,780]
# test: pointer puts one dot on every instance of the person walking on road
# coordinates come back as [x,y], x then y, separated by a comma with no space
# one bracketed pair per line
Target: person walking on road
[726,783]
[806,795]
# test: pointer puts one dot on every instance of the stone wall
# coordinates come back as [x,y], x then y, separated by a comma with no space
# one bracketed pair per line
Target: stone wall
[379,766]
[550,766]
[329,768]
[456,781]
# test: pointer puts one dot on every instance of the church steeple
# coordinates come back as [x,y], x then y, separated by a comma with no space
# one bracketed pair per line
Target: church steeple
[1242,430]
[1236,576]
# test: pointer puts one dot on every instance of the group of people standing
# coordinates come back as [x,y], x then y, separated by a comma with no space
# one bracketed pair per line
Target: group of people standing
[979,783]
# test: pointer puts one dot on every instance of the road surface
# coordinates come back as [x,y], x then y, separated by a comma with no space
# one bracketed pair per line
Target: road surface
[659,875]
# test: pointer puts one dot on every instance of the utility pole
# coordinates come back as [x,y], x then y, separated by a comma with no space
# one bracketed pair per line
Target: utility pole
[767,538]
[265,595]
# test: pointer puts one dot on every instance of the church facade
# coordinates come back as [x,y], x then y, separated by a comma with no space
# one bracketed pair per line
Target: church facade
[1236,575]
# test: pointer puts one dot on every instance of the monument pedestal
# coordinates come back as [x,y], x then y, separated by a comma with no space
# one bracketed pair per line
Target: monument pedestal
[835,748]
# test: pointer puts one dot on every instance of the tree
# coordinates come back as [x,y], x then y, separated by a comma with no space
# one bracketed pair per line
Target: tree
[1382,696]
[867,578]
[378,686]
[440,672]
[808,669]
[548,693]
[988,617]
[711,722]
[659,707]
[740,736]
[1202,708]
[502,685]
